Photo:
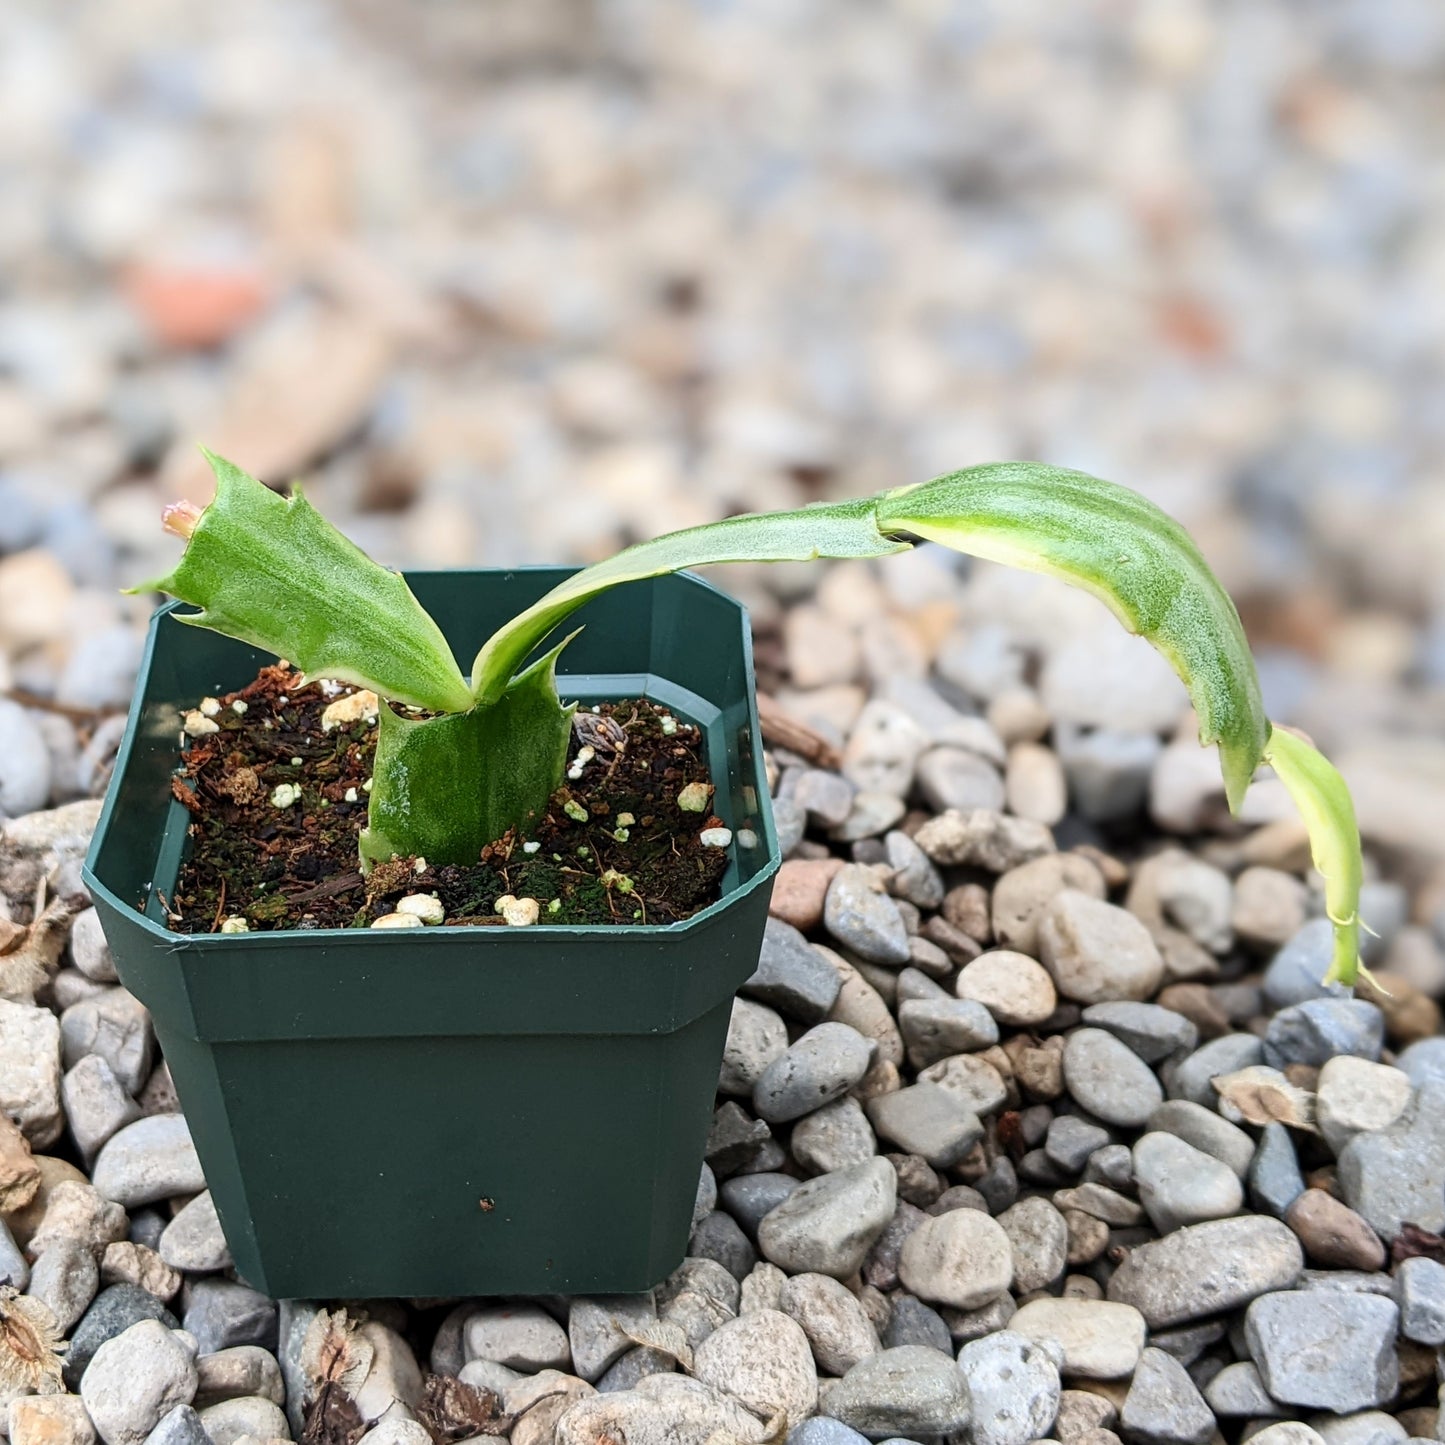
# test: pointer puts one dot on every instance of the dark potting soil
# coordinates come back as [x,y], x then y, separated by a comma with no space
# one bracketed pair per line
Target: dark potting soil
[296,866]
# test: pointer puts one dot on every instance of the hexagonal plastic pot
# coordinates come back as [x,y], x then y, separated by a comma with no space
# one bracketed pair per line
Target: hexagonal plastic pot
[467,1111]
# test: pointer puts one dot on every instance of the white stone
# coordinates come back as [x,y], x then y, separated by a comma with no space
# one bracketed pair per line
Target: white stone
[136,1378]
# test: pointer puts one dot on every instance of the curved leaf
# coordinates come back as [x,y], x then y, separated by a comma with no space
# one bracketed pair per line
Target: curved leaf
[843,529]
[1324,802]
[275,573]
[443,788]
[1122,548]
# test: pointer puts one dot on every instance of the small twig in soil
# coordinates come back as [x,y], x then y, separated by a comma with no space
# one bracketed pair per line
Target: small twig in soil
[220,907]
[346,883]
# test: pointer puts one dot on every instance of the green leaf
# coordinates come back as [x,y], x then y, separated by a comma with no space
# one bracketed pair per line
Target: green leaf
[443,788]
[1122,548]
[275,573]
[1324,802]
[843,529]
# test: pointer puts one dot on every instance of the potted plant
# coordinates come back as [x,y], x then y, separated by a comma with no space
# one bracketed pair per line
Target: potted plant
[522,1109]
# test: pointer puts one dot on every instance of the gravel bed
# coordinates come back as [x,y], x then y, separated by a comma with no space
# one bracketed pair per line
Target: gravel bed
[1035,1122]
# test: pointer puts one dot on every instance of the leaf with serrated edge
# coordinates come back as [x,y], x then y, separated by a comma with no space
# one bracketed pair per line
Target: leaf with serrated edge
[1131,555]
[1324,802]
[841,529]
[276,574]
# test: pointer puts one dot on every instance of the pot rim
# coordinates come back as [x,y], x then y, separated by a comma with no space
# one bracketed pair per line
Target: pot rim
[441,936]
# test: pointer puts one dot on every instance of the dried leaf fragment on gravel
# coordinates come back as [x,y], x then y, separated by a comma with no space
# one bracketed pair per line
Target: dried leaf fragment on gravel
[452,1410]
[30,1345]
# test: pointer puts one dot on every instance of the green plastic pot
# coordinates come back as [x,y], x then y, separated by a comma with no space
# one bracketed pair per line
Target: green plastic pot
[470,1111]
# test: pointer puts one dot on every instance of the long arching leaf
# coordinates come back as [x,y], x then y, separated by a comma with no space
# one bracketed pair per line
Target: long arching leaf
[1122,548]
[844,529]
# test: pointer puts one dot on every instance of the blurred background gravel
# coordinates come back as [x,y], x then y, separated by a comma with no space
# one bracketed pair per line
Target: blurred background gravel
[527,280]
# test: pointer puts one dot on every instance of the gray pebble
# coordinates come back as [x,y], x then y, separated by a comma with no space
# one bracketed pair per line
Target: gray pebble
[719,1237]
[1109,1080]
[911,1322]
[1096,951]
[1014,1386]
[64,1277]
[1328,1349]
[598,1330]
[149,1160]
[926,1120]
[1207,1268]
[820,1430]
[914,875]
[1206,1131]
[791,822]
[792,976]
[221,1313]
[1275,1180]
[1367,1427]
[748,1197]
[135,1379]
[193,1240]
[228,1421]
[1317,1030]
[114,1310]
[836,1136]
[14,1267]
[1398,1174]
[96,1106]
[756,1038]
[1152,1032]
[1420,1295]
[1190,1078]
[933,1029]
[733,1139]
[24,762]
[1296,973]
[179,1426]
[827,1225]
[829,1314]
[1039,1240]
[1238,1390]
[956,778]
[1180,1185]
[858,912]
[825,797]
[89,950]
[1112,1166]
[637,1364]
[911,1388]
[821,1066]
[1163,1407]
[1424,1062]
[1072,1140]
[115,1025]
[1108,771]
[705,1200]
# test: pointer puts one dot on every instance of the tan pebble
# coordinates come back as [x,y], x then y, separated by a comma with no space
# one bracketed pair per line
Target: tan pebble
[1013,987]
[1334,1236]
[1034,784]
[800,888]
